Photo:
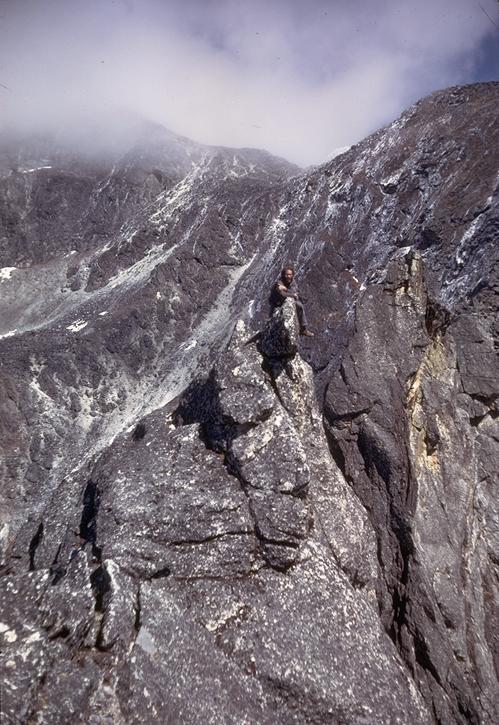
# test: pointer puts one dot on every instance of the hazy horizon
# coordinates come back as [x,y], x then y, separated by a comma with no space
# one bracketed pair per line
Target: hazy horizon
[297,79]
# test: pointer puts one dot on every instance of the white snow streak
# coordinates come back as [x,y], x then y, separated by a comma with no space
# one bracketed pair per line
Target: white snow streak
[6,272]
[77,326]
[35,168]
[8,334]
[461,254]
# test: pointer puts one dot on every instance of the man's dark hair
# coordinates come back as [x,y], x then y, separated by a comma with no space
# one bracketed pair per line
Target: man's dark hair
[286,269]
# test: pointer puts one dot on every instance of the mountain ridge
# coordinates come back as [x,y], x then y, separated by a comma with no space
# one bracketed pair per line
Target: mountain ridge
[394,244]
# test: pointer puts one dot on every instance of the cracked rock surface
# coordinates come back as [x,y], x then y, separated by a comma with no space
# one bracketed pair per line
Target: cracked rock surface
[206,566]
[401,424]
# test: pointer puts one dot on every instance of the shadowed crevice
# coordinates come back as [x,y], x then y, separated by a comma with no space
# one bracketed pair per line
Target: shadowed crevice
[33,546]
[88,522]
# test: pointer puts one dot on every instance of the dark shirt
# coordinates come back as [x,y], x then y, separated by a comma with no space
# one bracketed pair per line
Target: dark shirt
[280,292]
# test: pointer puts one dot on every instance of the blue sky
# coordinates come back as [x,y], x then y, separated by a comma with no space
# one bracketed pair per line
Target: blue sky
[300,78]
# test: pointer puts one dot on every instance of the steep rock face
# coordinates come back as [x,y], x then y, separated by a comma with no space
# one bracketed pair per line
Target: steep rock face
[150,480]
[207,566]
[403,428]
[67,200]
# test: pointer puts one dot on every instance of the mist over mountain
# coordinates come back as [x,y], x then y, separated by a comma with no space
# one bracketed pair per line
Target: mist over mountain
[205,516]
[295,78]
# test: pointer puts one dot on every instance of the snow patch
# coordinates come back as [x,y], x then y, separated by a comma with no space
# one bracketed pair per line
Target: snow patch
[389,183]
[141,270]
[77,326]
[402,251]
[6,272]
[461,252]
[35,386]
[172,196]
[239,168]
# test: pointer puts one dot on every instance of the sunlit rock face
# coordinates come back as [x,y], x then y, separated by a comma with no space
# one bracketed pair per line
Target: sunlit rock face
[402,427]
[207,518]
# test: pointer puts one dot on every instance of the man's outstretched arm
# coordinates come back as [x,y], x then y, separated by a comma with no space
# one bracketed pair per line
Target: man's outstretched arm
[284,292]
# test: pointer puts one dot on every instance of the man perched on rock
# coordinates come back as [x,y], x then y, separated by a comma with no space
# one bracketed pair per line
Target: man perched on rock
[286,287]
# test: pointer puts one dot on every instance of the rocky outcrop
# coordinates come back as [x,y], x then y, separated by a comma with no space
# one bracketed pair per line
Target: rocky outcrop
[218,547]
[280,335]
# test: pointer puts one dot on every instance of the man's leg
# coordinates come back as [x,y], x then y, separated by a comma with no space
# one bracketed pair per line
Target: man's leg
[300,313]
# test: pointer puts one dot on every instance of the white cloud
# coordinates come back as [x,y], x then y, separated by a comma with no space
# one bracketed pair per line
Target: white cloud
[297,78]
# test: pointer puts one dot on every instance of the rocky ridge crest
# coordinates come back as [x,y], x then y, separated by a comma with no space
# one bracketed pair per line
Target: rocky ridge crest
[233,533]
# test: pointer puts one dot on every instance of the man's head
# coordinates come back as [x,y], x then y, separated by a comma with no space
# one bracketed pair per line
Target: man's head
[287,275]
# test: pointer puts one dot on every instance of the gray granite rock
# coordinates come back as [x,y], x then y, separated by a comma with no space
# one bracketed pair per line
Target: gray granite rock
[395,413]
[280,335]
[210,571]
